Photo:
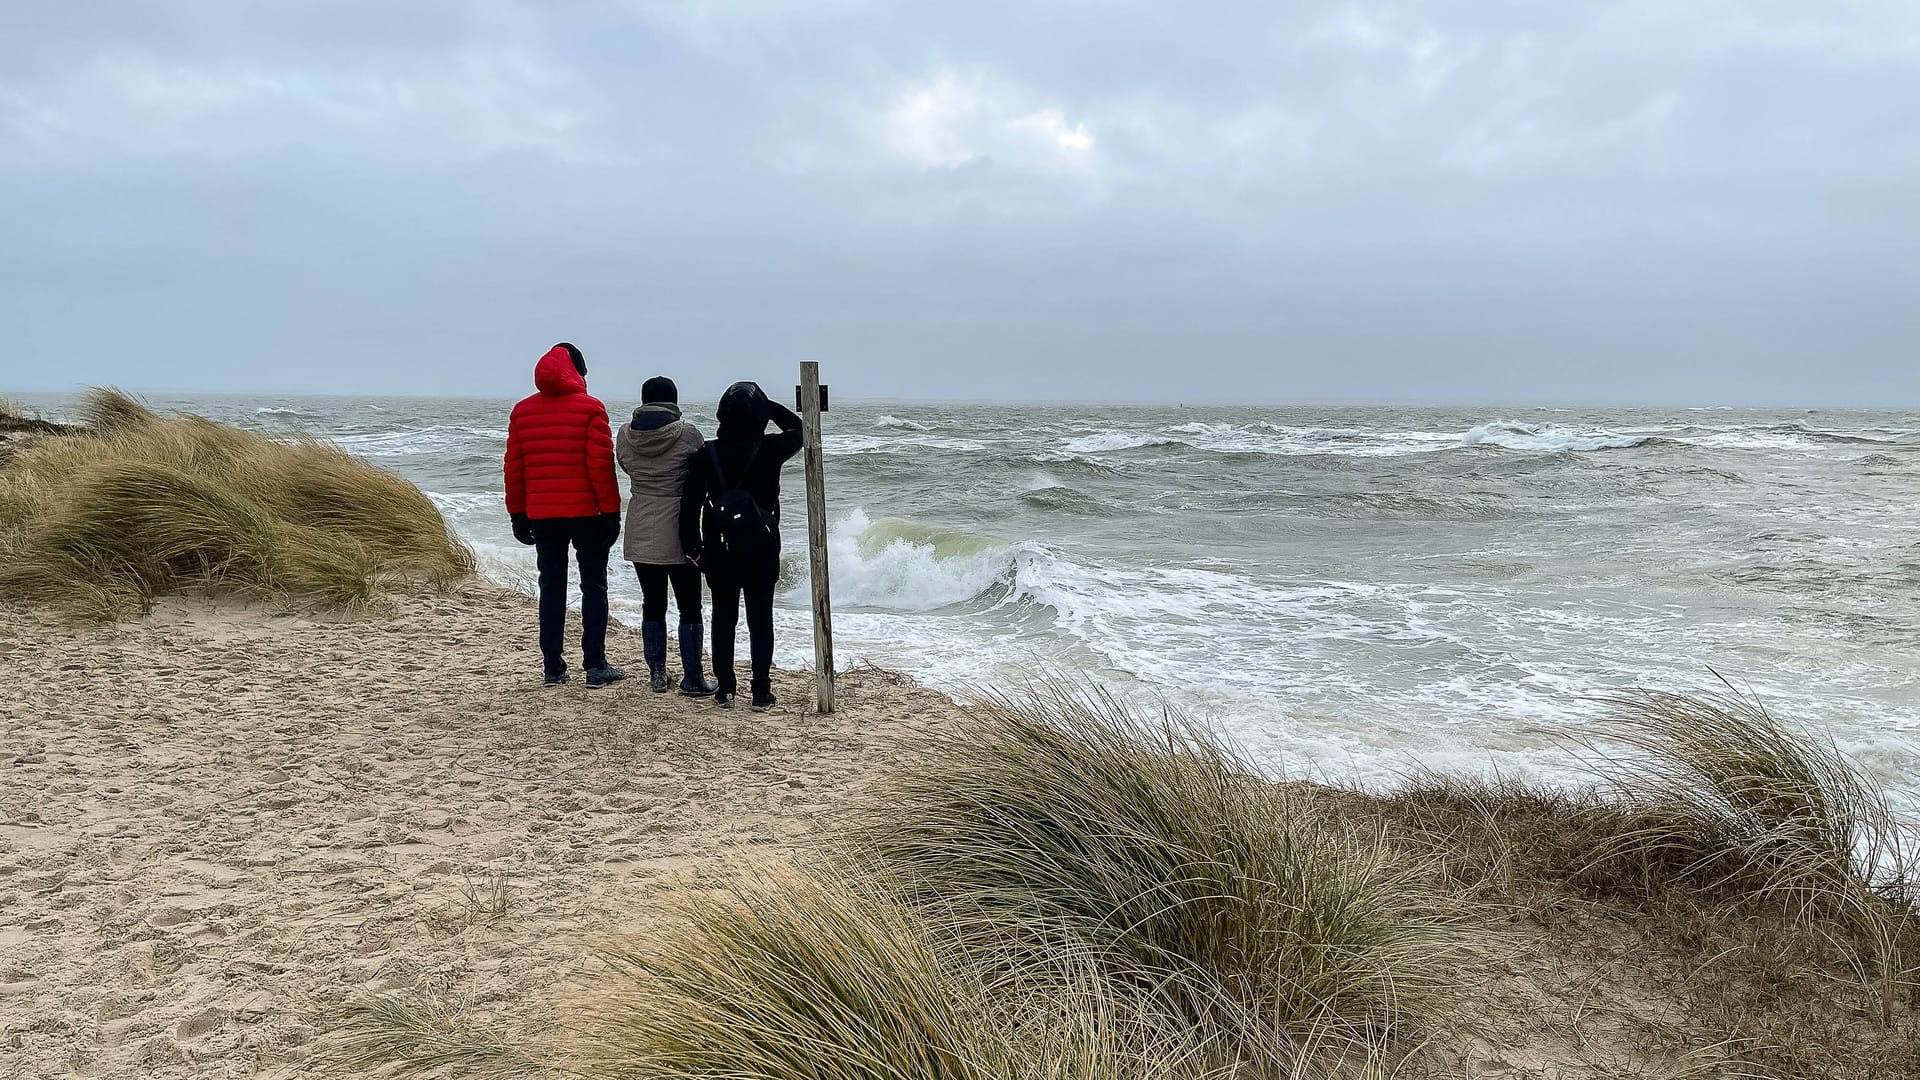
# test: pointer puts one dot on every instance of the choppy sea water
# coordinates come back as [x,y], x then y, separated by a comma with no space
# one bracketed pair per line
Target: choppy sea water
[1348,592]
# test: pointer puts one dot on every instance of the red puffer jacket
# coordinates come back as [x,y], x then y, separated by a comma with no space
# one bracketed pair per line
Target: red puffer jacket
[560,447]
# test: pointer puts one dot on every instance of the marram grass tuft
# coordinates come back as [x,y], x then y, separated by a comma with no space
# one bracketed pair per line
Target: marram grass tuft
[1711,817]
[1062,821]
[1741,805]
[804,975]
[137,505]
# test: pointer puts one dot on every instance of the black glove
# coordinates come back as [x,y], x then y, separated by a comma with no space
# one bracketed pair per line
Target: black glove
[523,529]
[783,418]
[610,528]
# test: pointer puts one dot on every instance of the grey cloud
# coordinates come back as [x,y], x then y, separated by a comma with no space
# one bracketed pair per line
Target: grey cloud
[1463,201]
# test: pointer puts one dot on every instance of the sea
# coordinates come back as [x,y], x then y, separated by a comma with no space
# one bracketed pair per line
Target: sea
[1351,594]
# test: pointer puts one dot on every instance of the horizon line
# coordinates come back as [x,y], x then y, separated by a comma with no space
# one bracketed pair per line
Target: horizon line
[1196,403]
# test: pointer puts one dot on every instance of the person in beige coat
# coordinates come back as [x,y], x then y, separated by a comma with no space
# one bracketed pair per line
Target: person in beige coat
[655,448]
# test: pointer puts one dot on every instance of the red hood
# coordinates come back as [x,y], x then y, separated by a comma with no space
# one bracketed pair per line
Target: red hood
[554,374]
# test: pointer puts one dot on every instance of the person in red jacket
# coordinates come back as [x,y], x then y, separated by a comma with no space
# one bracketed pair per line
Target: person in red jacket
[561,493]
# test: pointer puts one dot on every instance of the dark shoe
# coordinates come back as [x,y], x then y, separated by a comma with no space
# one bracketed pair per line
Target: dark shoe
[556,678]
[697,686]
[764,700]
[653,642]
[723,698]
[603,676]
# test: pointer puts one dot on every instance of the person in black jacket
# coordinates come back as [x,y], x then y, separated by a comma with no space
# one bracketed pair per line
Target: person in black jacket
[741,456]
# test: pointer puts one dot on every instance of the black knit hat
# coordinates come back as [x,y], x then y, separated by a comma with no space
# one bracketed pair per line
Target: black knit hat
[659,390]
[579,362]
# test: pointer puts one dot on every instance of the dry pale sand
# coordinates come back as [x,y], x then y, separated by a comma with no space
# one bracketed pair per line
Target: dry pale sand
[218,824]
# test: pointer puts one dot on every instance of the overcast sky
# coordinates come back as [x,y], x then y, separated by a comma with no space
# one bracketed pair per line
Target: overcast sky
[1702,202]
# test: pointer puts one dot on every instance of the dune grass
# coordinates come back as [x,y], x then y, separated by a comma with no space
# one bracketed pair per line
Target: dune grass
[1721,832]
[1052,886]
[1062,821]
[413,1035]
[137,505]
[18,419]
[794,979]
[807,976]
[1065,854]
[1738,802]
[107,410]
[1745,808]
[1708,793]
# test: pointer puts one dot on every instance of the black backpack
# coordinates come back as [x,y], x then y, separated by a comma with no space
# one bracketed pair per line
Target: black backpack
[747,531]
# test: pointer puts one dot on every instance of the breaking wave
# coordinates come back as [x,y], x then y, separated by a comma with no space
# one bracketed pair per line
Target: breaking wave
[897,565]
[1109,441]
[1548,438]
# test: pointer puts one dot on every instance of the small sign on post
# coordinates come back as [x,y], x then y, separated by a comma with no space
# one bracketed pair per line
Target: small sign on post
[813,402]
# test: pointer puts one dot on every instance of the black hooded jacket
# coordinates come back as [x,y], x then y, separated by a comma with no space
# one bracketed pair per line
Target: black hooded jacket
[744,413]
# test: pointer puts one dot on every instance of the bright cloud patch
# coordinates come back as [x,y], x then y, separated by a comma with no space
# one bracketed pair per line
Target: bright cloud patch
[1050,126]
[930,124]
[951,119]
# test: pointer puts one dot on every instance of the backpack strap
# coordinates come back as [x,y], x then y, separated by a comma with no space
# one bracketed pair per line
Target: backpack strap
[720,472]
[746,471]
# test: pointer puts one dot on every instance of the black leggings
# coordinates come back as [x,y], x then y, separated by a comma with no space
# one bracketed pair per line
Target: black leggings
[654,579]
[727,592]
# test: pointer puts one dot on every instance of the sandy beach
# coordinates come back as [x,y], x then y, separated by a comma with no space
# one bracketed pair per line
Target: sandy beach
[218,824]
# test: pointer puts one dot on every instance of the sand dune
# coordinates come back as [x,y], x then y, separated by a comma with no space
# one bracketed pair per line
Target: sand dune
[217,824]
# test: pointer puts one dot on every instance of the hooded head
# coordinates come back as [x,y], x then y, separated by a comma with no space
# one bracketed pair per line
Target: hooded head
[561,371]
[743,412]
[659,390]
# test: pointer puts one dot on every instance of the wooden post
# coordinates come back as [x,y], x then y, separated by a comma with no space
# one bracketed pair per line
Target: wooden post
[817,538]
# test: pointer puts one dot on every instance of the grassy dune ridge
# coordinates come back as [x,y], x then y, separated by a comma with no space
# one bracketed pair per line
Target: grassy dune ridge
[134,505]
[1053,887]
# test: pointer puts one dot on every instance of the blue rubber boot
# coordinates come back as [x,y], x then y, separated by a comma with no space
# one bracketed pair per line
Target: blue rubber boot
[653,642]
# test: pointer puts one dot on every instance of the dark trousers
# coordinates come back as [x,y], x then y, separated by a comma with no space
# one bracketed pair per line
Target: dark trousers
[654,580]
[756,586]
[551,539]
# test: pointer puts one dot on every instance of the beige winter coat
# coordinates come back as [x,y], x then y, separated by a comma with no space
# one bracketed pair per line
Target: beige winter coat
[654,449]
